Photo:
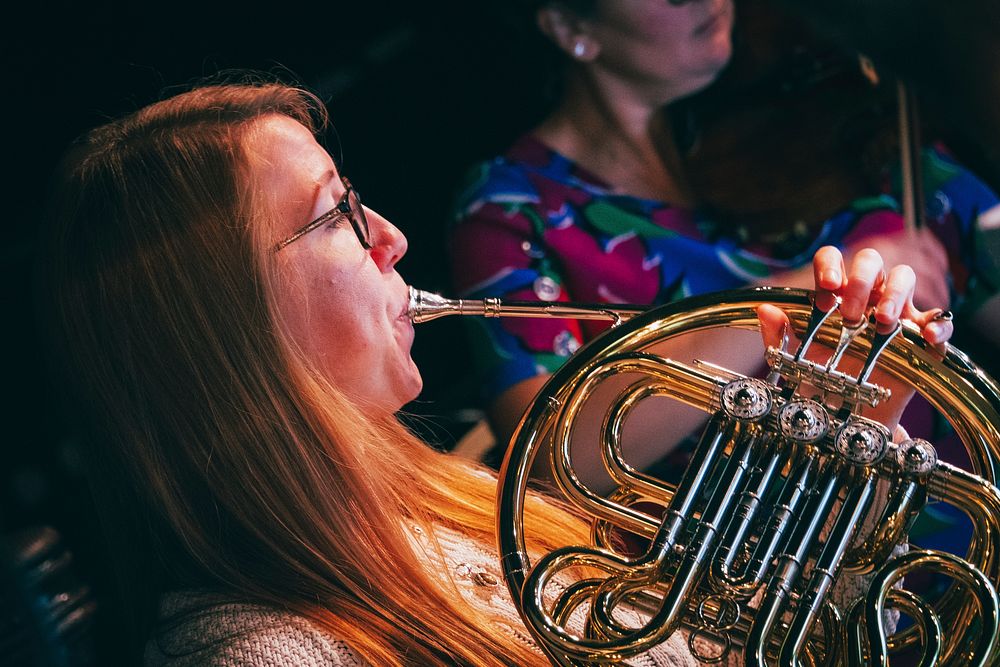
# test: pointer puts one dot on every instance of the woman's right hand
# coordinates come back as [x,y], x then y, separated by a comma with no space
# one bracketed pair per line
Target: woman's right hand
[865,283]
[920,249]
[923,252]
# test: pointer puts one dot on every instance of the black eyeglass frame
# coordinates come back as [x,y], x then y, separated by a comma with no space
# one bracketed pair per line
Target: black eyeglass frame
[349,206]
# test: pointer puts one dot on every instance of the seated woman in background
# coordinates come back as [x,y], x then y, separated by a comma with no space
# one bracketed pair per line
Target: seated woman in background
[593,204]
[233,325]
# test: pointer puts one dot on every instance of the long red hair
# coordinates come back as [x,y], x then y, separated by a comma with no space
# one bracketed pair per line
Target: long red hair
[224,460]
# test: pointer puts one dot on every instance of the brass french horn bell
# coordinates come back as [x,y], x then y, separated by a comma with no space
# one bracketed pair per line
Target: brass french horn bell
[790,492]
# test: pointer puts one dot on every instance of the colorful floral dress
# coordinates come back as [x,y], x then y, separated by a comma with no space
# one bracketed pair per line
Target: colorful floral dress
[534,225]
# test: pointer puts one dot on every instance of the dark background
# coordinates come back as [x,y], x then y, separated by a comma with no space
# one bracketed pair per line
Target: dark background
[416,94]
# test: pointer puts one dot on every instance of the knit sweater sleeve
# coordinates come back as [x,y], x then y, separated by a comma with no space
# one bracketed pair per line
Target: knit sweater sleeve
[240,635]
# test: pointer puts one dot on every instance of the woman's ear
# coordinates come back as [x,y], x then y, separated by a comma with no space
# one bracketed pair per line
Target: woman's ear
[568,32]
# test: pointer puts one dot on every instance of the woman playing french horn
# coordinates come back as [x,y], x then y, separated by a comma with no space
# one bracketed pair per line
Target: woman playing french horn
[238,337]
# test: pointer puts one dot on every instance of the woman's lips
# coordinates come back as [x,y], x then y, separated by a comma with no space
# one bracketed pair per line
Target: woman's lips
[713,23]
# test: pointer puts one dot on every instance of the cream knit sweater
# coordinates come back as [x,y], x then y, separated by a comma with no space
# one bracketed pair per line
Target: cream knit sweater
[194,631]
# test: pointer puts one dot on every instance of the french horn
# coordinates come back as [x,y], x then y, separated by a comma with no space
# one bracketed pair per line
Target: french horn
[776,505]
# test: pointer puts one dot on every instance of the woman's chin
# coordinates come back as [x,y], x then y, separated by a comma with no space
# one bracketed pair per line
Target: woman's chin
[417,382]
[409,386]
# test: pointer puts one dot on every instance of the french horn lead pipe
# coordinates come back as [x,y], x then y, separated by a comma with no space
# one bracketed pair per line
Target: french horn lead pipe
[426,306]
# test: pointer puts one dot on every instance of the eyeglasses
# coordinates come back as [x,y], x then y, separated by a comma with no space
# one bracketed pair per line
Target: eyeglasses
[348,206]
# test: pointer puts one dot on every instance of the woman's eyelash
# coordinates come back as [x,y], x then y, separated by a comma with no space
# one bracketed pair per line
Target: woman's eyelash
[337,220]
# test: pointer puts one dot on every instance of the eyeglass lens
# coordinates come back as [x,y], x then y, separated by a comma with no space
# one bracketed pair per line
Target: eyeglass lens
[358,218]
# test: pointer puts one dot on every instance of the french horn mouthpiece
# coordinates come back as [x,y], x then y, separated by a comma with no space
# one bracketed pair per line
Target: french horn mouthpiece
[426,306]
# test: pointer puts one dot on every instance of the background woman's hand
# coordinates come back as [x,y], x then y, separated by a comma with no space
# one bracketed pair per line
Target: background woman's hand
[863,285]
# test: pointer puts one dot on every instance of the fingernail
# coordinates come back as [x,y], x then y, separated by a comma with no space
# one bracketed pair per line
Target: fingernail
[831,276]
[888,310]
[943,316]
[936,331]
[847,310]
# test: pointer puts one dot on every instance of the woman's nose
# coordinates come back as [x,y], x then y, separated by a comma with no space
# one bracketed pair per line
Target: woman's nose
[388,243]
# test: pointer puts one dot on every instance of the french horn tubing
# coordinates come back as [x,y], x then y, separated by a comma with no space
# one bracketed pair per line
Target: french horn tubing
[777,504]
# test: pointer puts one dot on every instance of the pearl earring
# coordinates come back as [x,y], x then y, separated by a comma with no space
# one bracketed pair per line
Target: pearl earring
[579,48]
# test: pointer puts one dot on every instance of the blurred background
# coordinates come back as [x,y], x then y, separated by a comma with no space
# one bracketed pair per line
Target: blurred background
[417,94]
